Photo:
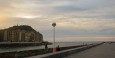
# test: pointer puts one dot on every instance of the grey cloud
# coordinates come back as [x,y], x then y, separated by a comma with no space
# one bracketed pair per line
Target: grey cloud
[62,32]
[69,9]
[101,12]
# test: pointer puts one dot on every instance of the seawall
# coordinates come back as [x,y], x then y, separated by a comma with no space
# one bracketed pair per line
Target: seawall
[28,53]
[64,53]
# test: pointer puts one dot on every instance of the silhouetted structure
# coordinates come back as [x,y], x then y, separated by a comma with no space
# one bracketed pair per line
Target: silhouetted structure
[58,48]
[22,33]
[46,47]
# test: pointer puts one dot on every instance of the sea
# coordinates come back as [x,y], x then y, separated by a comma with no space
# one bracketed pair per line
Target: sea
[61,44]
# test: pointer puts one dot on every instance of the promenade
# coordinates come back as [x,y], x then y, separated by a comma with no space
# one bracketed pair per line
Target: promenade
[67,52]
[102,51]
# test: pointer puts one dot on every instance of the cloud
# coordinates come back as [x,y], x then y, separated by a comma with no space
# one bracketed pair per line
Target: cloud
[73,17]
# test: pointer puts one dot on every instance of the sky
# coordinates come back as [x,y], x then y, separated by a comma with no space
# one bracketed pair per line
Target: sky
[77,20]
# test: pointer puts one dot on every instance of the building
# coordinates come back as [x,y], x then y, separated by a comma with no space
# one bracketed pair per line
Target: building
[21,33]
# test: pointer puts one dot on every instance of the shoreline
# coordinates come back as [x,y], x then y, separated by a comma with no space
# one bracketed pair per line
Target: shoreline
[22,44]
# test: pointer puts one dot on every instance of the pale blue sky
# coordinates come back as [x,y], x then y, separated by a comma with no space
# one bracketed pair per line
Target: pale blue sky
[77,20]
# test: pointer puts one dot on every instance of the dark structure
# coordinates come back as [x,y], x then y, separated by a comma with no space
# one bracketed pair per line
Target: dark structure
[22,33]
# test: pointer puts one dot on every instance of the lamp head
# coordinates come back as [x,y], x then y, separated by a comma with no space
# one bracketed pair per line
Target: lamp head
[54,24]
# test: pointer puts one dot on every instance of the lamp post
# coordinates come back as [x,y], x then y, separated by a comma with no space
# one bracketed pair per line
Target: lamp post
[54,24]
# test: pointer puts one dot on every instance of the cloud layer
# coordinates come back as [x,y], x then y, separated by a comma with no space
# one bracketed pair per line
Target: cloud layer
[78,19]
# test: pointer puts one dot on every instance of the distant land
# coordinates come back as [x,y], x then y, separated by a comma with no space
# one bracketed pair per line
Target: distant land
[20,33]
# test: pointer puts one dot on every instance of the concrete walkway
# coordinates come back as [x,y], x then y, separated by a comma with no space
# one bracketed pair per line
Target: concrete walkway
[103,51]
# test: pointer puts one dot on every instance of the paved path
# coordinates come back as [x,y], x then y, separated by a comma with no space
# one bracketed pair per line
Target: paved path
[102,51]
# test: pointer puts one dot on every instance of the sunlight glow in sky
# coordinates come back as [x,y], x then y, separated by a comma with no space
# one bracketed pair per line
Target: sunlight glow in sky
[25,16]
[77,20]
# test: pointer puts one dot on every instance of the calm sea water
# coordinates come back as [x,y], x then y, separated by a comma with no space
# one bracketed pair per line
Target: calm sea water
[61,44]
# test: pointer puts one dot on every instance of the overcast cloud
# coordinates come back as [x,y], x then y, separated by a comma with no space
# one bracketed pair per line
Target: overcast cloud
[80,20]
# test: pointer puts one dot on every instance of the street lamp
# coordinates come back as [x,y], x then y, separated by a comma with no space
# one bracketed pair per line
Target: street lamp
[54,24]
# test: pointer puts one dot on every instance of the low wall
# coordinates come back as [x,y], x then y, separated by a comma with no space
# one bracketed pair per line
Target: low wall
[29,53]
